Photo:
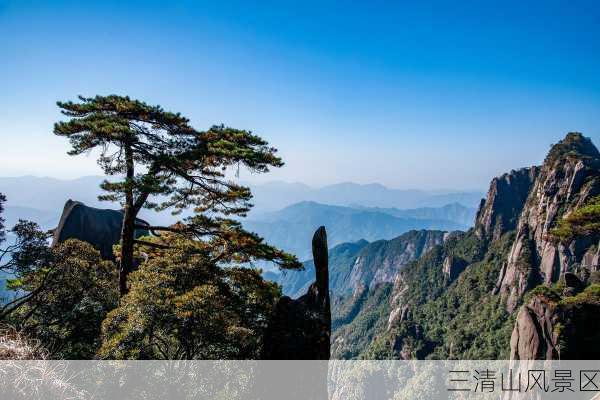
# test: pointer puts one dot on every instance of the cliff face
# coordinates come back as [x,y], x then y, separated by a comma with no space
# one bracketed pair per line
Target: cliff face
[499,212]
[569,177]
[380,262]
[362,312]
[534,336]
[300,329]
[458,300]
[360,265]
[553,326]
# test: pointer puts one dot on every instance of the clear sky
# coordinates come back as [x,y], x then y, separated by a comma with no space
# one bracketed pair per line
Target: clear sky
[442,95]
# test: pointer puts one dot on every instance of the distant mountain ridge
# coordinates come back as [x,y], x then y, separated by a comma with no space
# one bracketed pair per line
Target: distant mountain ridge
[455,212]
[359,265]
[286,228]
[372,212]
[341,259]
[44,193]
[276,195]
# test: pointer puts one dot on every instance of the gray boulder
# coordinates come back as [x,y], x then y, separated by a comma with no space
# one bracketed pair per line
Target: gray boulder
[99,227]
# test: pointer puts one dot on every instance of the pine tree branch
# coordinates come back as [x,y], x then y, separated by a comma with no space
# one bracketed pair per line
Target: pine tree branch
[150,244]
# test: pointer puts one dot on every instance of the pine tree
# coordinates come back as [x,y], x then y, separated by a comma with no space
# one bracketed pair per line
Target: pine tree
[162,162]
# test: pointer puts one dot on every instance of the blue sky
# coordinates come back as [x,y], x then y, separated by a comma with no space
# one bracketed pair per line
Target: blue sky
[444,95]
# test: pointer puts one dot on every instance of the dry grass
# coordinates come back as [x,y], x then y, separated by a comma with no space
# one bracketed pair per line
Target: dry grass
[26,372]
[14,346]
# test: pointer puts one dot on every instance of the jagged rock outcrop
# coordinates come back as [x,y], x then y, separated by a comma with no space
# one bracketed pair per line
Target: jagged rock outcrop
[569,177]
[591,259]
[400,310]
[499,212]
[341,257]
[380,261]
[533,336]
[452,267]
[361,264]
[301,329]
[551,327]
[101,228]
[439,307]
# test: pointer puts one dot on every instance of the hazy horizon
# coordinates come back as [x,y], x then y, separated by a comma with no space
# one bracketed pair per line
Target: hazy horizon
[277,181]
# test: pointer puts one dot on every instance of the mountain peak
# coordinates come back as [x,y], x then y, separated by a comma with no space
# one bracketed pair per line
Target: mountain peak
[500,211]
[569,178]
[574,145]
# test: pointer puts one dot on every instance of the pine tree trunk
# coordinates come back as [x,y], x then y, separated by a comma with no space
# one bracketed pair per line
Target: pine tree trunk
[127,237]
[128,227]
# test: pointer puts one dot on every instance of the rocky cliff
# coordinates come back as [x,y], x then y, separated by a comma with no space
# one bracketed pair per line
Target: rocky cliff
[380,261]
[499,212]
[557,324]
[341,259]
[460,299]
[354,266]
[569,177]
[364,310]
[300,329]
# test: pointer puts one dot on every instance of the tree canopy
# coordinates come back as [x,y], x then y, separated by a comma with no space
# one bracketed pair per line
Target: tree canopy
[182,305]
[71,293]
[161,162]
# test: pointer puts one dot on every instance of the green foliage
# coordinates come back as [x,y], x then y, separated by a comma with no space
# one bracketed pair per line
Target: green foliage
[590,295]
[574,320]
[468,247]
[581,222]
[464,321]
[456,320]
[26,253]
[183,165]
[66,300]
[182,305]
[191,295]
[573,145]
[350,340]
[346,308]
[551,292]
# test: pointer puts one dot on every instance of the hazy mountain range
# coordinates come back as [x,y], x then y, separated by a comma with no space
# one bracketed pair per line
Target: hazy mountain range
[42,198]
[285,214]
[276,195]
[372,212]
[291,228]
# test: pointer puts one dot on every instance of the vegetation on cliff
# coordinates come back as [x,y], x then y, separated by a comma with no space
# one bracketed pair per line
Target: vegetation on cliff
[584,221]
[437,318]
[432,313]
[182,305]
